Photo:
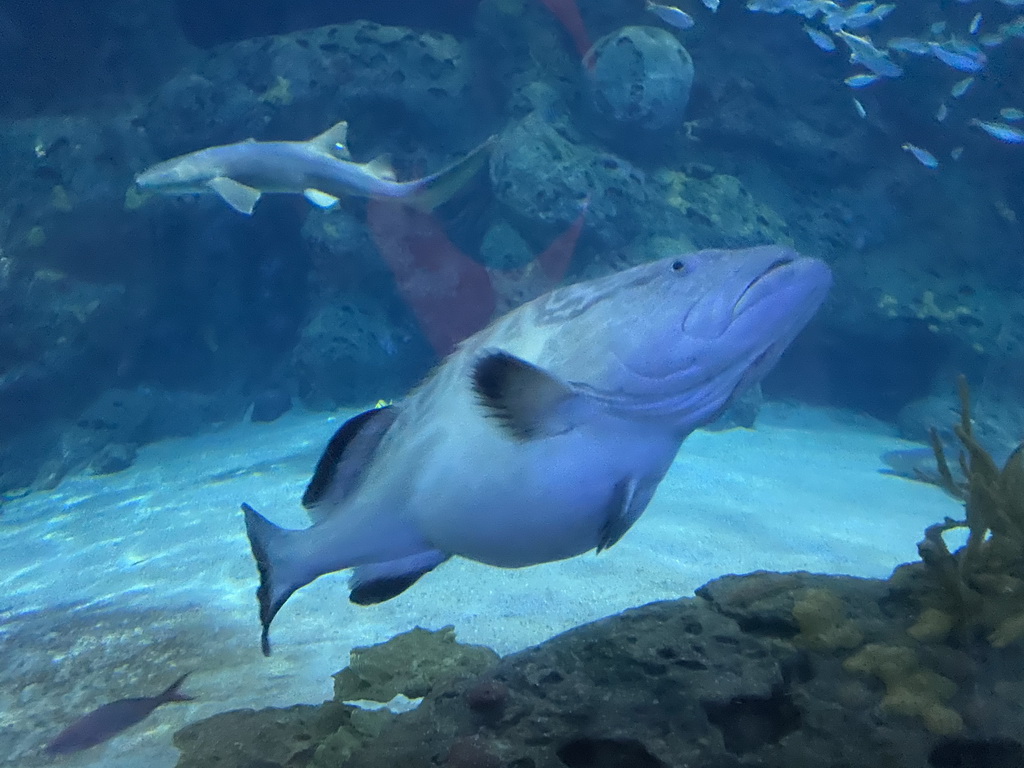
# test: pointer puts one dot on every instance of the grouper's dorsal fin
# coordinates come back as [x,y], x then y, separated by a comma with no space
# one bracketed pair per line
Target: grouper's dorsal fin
[344,460]
[528,402]
[333,140]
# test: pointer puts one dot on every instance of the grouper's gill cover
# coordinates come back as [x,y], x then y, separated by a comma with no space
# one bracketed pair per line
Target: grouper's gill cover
[544,435]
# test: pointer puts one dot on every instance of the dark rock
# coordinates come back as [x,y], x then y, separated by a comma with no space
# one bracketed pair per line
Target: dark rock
[753,672]
[269,738]
[350,355]
[411,664]
[113,457]
[543,177]
[271,404]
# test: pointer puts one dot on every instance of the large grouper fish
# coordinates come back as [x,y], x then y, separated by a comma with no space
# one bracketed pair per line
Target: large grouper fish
[544,435]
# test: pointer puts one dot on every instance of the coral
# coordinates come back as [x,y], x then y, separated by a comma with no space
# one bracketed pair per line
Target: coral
[981,586]
[910,689]
[823,623]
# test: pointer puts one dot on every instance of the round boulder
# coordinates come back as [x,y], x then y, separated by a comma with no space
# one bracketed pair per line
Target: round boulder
[641,78]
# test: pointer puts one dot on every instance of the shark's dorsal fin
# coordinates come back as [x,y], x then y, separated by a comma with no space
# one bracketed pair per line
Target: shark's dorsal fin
[381,167]
[528,402]
[333,140]
[343,461]
[239,196]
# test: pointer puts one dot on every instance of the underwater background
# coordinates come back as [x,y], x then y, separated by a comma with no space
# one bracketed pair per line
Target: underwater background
[164,358]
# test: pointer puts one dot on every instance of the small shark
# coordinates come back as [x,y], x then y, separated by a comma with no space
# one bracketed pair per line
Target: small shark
[320,168]
[545,434]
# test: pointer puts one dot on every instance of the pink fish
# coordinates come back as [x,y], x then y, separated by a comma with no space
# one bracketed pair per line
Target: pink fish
[111,719]
[568,15]
[450,293]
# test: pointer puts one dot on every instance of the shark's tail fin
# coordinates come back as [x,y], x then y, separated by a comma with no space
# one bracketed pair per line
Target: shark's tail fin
[280,576]
[431,191]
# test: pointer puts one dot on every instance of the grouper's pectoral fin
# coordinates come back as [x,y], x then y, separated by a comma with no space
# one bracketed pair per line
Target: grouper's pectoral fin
[372,584]
[320,199]
[628,500]
[621,513]
[239,196]
[528,402]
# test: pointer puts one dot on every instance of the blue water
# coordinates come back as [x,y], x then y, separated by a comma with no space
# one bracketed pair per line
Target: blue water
[164,357]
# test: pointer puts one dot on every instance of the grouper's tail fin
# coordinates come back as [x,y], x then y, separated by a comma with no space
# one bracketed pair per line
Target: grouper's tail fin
[279,575]
[431,191]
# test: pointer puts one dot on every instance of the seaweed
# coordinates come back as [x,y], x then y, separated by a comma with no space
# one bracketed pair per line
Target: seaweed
[981,585]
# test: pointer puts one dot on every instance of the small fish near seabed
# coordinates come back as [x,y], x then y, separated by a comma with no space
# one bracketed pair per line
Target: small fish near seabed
[671,15]
[544,435]
[106,722]
[320,168]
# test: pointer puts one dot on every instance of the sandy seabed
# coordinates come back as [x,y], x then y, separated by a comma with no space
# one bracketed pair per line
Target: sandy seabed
[112,586]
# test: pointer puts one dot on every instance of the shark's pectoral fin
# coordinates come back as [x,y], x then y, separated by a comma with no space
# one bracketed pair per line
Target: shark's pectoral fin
[625,507]
[320,199]
[333,140]
[381,167]
[239,196]
[527,401]
[371,584]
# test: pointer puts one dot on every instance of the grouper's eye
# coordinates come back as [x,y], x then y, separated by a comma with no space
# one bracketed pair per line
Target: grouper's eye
[679,265]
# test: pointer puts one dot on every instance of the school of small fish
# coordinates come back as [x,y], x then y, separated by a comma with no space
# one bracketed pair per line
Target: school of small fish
[829,23]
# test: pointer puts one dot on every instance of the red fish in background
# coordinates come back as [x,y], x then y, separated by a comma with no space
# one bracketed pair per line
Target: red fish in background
[556,258]
[568,14]
[450,294]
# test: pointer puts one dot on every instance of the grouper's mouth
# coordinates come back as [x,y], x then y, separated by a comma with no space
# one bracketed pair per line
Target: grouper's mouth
[763,285]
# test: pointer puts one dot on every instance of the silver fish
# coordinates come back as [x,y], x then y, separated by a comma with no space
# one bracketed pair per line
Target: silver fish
[1000,131]
[1011,114]
[961,87]
[975,24]
[860,80]
[942,112]
[861,112]
[711,5]
[820,39]
[923,156]
[961,56]
[908,45]
[319,168]
[544,435]
[864,52]
[107,721]
[671,15]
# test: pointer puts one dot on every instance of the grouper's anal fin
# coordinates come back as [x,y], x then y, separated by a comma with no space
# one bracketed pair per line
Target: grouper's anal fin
[528,402]
[239,196]
[275,588]
[344,459]
[377,582]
